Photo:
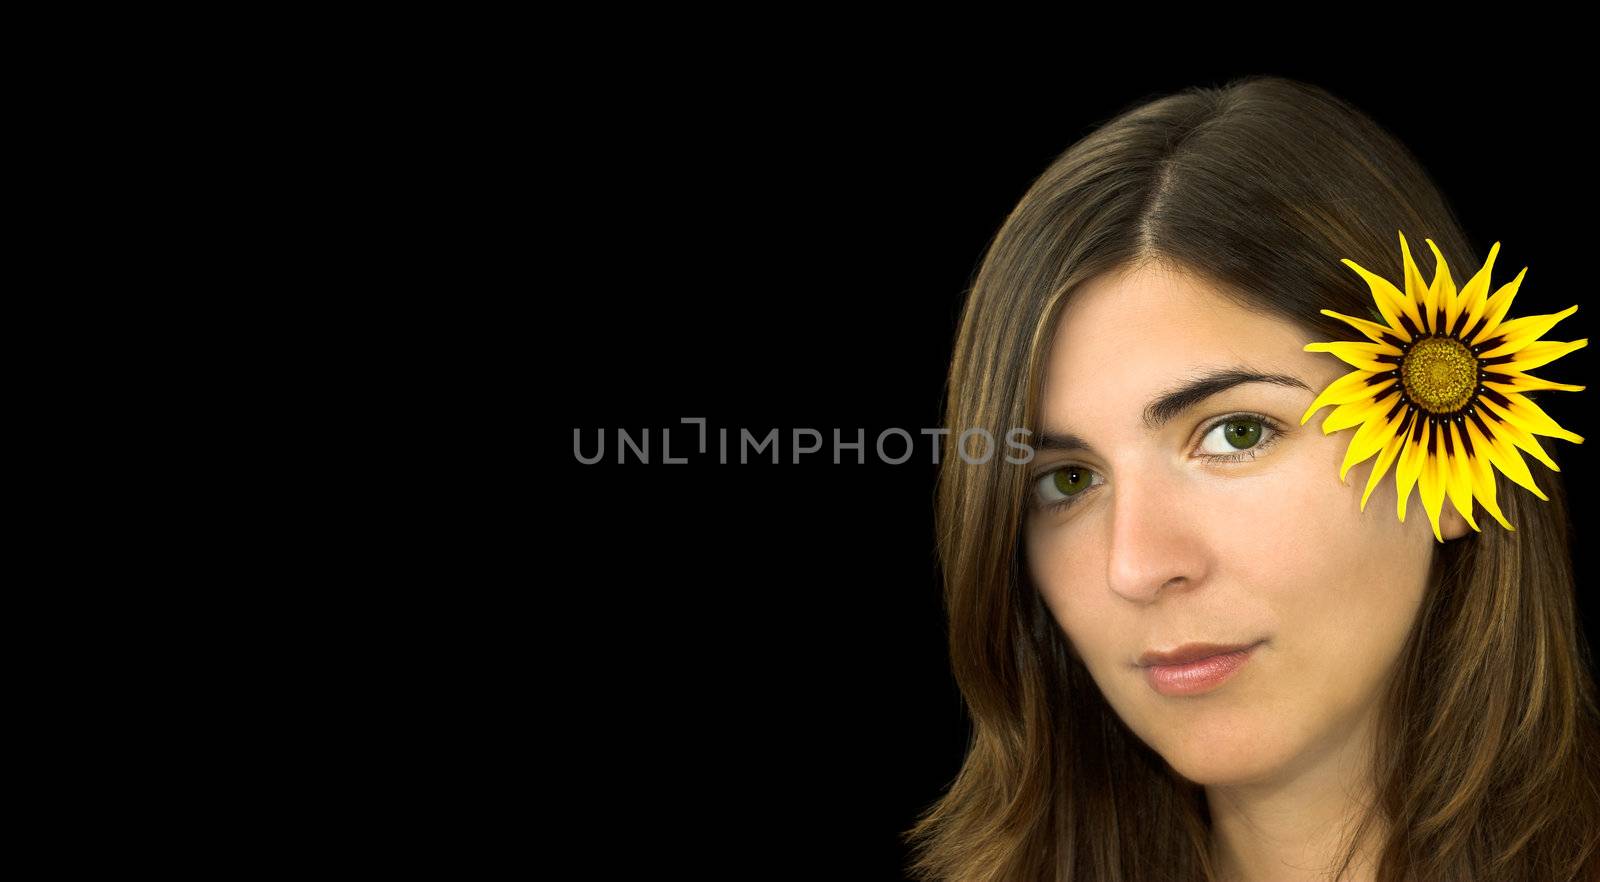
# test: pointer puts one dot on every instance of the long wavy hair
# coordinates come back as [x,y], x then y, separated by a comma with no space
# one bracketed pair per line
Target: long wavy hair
[1490,759]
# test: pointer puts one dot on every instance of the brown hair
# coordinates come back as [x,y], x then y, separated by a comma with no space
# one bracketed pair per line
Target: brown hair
[1490,762]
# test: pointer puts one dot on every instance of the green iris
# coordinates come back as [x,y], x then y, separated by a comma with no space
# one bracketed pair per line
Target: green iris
[1071,480]
[1242,434]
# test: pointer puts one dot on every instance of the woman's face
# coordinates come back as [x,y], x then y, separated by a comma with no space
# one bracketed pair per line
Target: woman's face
[1159,546]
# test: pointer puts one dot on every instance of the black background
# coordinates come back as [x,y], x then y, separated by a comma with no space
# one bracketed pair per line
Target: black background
[741,669]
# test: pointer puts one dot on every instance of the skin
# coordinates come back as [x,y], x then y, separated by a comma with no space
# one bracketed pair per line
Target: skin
[1170,548]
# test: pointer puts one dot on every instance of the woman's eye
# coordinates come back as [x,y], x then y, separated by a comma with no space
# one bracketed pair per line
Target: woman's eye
[1060,487]
[1231,439]
[1237,437]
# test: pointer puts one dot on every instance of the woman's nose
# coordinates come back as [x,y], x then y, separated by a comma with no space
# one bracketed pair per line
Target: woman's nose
[1156,544]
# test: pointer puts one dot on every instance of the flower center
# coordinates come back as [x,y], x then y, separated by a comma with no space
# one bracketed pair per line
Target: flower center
[1439,374]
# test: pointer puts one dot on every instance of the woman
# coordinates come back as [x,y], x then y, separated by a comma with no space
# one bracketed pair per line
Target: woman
[1383,697]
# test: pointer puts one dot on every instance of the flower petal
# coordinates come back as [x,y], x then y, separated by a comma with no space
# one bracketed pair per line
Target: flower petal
[1371,437]
[1504,455]
[1391,303]
[1460,485]
[1518,432]
[1411,457]
[1350,387]
[1522,382]
[1474,293]
[1522,331]
[1497,307]
[1352,414]
[1359,355]
[1483,483]
[1532,418]
[1445,286]
[1543,352]
[1431,481]
[1375,332]
[1417,291]
[1391,450]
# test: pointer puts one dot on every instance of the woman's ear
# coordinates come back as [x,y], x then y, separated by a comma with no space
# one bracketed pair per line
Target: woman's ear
[1451,524]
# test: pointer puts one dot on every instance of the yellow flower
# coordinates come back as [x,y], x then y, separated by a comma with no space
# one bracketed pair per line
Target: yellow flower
[1439,390]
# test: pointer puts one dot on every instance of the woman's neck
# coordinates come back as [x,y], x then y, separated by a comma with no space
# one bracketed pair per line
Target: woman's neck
[1294,826]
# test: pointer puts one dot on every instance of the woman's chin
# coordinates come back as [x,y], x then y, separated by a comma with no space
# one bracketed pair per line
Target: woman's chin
[1215,770]
[1218,754]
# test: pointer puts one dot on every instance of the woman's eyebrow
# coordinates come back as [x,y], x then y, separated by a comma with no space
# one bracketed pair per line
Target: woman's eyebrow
[1168,405]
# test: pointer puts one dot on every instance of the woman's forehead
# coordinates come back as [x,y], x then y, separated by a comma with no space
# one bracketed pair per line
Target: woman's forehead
[1127,338]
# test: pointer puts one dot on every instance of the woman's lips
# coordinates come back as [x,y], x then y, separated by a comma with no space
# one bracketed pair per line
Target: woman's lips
[1200,675]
